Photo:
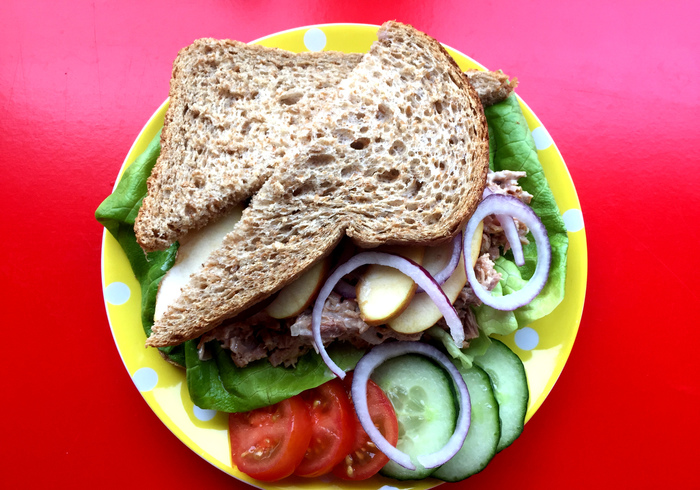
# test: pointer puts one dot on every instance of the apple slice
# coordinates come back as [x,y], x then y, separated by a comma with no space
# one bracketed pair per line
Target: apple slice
[383,292]
[421,313]
[194,249]
[436,258]
[476,242]
[297,296]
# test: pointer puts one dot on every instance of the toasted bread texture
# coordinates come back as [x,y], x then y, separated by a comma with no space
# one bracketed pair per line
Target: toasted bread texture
[234,109]
[397,155]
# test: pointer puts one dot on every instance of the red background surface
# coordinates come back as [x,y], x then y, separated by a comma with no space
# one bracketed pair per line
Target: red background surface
[616,85]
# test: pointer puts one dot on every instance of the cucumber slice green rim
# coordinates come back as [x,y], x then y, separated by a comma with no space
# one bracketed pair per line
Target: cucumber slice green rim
[484,432]
[509,380]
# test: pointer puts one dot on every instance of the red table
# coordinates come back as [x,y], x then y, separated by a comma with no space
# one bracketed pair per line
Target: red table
[615,83]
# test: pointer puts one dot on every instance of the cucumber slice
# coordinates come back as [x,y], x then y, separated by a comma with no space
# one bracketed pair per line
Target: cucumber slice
[484,432]
[507,374]
[425,405]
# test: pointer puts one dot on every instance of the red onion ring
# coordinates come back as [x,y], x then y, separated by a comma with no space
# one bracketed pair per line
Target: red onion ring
[511,232]
[507,205]
[447,271]
[378,355]
[419,275]
[345,289]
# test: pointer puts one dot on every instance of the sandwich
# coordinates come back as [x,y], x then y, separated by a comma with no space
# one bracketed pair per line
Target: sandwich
[235,110]
[393,148]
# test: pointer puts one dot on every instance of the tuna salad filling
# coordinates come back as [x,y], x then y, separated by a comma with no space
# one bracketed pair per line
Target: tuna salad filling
[282,342]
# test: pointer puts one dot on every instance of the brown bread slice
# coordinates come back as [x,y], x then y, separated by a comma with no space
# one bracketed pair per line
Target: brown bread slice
[234,111]
[399,154]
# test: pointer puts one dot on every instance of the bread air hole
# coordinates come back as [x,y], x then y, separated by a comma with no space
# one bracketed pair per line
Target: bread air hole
[291,98]
[344,136]
[388,175]
[347,170]
[235,96]
[397,148]
[360,144]
[432,218]
[305,188]
[320,159]
[383,112]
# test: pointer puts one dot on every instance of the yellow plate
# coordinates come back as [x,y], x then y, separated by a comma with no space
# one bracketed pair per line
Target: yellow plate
[544,346]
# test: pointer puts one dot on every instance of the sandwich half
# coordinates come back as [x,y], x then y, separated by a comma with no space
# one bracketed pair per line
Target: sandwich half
[397,154]
[235,110]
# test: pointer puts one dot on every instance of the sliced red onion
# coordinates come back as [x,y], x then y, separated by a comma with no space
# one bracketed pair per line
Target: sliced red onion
[447,271]
[378,355]
[511,232]
[345,289]
[419,275]
[507,205]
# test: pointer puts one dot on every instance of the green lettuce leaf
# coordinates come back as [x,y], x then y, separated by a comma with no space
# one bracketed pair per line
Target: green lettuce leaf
[512,147]
[465,356]
[117,214]
[219,384]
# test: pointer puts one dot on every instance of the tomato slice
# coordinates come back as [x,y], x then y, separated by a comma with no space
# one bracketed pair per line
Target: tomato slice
[268,443]
[365,460]
[332,430]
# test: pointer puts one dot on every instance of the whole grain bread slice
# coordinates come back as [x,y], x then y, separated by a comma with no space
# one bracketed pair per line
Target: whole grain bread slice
[234,111]
[399,154]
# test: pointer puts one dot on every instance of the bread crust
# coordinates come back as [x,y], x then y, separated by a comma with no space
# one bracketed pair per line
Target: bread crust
[398,154]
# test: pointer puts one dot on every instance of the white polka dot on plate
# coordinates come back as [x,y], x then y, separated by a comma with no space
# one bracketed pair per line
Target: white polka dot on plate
[573,220]
[314,39]
[542,138]
[117,293]
[145,379]
[388,487]
[204,414]
[527,338]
